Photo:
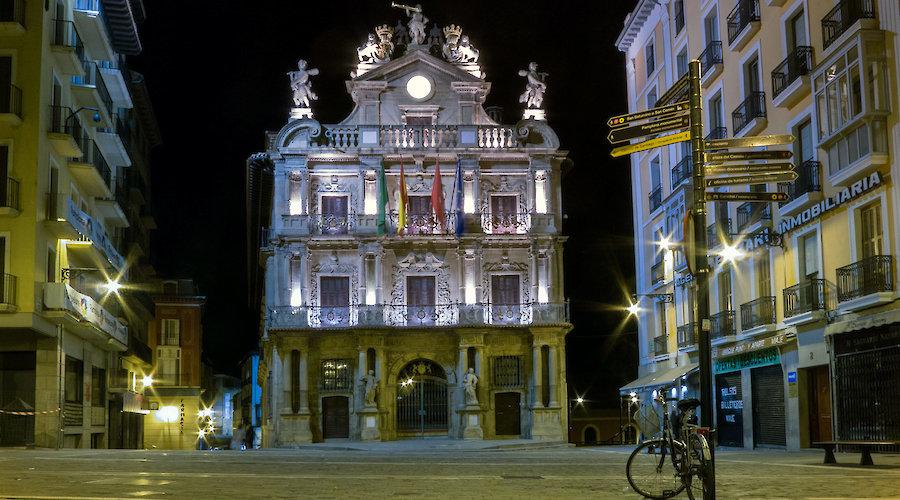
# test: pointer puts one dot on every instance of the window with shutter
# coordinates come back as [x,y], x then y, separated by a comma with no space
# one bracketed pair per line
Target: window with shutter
[334,214]
[503,213]
[420,219]
[420,290]
[870,230]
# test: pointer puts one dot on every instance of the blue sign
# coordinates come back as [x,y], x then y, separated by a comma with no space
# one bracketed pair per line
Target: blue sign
[792,377]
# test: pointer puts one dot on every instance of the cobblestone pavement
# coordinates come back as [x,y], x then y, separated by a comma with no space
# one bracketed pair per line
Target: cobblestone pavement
[417,472]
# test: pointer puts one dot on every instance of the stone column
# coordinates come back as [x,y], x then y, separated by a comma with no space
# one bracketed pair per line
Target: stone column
[554,376]
[304,191]
[536,376]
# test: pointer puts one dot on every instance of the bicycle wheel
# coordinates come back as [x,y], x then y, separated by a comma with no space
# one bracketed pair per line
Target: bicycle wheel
[651,471]
[695,479]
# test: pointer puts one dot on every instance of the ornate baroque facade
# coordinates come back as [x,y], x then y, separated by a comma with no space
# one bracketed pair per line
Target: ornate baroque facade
[368,334]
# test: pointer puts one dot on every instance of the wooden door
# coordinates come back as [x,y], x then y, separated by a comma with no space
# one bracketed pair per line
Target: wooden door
[819,397]
[335,417]
[507,414]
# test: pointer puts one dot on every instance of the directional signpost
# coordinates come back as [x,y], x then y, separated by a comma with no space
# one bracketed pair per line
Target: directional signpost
[670,116]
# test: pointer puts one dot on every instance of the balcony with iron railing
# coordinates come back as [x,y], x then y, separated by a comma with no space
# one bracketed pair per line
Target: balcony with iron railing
[808,181]
[91,170]
[718,233]
[866,283]
[788,83]
[682,171]
[9,198]
[750,213]
[114,141]
[91,92]
[10,104]
[743,23]
[403,315]
[661,345]
[67,47]
[8,293]
[758,313]
[658,273]
[655,198]
[750,115]
[717,133]
[711,60]
[12,17]
[687,335]
[65,132]
[805,298]
[844,15]
[721,325]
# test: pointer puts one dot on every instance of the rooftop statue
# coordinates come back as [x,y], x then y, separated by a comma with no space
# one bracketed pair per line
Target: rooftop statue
[417,22]
[401,36]
[379,49]
[535,87]
[457,48]
[301,84]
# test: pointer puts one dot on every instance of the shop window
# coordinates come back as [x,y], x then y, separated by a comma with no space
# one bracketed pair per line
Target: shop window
[74,380]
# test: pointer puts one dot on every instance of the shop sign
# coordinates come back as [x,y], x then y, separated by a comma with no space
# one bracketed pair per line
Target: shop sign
[753,359]
[792,384]
[856,190]
[684,280]
[886,336]
[756,345]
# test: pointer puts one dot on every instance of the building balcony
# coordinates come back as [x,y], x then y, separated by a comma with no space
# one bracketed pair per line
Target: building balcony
[111,209]
[750,115]
[67,221]
[88,16]
[8,294]
[743,23]
[11,105]
[89,91]
[138,351]
[65,132]
[805,302]
[682,171]
[415,316]
[711,62]
[122,19]
[805,190]
[66,47]
[843,16]
[687,336]
[655,199]
[867,283]
[721,326]
[718,233]
[751,213]
[415,137]
[91,171]
[82,314]
[758,316]
[716,133]
[9,199]
[12,17]
[658,273]
[790,79]
[661,345]
[113,141]
[117,76]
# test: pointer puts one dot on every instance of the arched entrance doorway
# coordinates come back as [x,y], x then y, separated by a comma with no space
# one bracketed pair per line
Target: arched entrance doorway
[422,399]
[590,435]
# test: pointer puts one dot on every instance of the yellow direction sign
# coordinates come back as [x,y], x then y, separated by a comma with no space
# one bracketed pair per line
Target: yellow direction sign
[749,142]
[652,143]
[618,121]
[758,197]
[625,134]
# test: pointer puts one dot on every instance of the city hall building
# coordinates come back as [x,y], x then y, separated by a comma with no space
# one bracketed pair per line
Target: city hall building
[805,323]
[407,248]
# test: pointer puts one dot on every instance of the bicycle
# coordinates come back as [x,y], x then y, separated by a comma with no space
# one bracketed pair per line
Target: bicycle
[647,470]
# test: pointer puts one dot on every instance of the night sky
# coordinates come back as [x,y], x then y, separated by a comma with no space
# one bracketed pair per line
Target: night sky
[216,72]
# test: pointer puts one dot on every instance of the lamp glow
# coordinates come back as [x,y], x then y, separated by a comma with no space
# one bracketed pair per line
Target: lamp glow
[579,400]
[147,381]
[731,253]
[664,243]
[634,308]
[112,286]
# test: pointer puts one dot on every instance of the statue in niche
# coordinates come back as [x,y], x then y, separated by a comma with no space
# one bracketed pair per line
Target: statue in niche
[470,382]
[301,85]
[370,387]
[535,86]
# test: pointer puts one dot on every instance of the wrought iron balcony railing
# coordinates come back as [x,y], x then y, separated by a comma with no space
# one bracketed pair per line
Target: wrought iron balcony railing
[92,78]
[11,100]
[63,121]
[65,35]
[682,171]
[401,315]
[798,63]
[661,345]
[687,335]
[717,133]
[842,16]
[718,233]
[11,197]
[743,13]
[658,273]
[655,198]
[754,106]
[804,297]
[721,324]
[871,275]
[9,290]
[808,181]
[751,212]
[711,55]
[758,312]
[93,156]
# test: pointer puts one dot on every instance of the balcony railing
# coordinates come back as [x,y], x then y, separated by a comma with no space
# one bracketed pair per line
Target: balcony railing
[660,345]
[745,12]
[721,325]
[62,121]
[752,212]
[718,233]
[93,156]
[658,273]
[9,290]
[13,11]
[717,133]
[808,181]
[758,312]
[687,335]
[400,315]
[710,56]
[65,35]
[682,171]
[11,100]
[871,275]
[655,198]
[804,297]
[798,63]
[93,78]
[842,16]
[754,106]
[11,197]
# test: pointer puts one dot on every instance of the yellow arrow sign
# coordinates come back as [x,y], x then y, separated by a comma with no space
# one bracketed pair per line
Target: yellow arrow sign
[652,143]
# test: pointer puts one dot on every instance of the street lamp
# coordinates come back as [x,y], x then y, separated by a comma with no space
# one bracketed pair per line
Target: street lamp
[635,306]
[147,381]
[112,285]
[731,253]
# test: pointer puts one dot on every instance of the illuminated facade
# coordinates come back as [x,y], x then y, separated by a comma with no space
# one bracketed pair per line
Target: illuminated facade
[75,129]
[477,287]
[804,322]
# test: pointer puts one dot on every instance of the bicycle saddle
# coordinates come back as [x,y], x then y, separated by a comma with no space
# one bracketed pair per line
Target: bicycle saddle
[688,404]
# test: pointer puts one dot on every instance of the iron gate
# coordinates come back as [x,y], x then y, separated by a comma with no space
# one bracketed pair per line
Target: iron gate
[422,399]
[868,395]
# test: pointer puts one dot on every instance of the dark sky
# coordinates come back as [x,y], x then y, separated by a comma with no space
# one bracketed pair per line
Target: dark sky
[216,74]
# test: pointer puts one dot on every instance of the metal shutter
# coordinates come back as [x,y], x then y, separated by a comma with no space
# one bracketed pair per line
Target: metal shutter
[730,419]
[868,396]
[768,406]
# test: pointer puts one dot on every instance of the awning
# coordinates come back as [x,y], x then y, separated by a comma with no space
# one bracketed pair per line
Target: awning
[658,378]
[856,322]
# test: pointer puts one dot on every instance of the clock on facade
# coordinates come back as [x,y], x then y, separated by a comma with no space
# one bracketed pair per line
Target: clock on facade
[418,87]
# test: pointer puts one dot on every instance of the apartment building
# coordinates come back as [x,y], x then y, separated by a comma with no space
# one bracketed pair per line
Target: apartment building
[373,329]
[804,317]
[73,144]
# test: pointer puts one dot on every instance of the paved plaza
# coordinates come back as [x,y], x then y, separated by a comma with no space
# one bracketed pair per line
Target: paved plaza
[442,469]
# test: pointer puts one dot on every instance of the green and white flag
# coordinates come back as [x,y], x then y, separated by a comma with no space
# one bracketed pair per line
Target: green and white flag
[382,202]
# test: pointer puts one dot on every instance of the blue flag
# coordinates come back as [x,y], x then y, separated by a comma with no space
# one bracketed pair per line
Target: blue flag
[458,200]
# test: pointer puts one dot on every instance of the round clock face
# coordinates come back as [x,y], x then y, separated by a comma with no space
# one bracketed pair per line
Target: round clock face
[418,87]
